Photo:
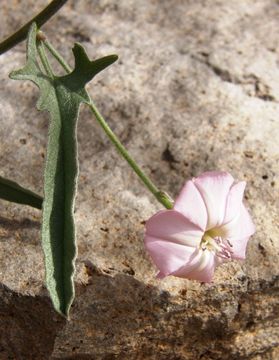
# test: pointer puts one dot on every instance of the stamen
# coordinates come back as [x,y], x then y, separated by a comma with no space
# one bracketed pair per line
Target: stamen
[221,247]
[228,241]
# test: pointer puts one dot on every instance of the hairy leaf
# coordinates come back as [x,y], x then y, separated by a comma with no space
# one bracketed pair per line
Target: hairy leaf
[11,191]
[61,97]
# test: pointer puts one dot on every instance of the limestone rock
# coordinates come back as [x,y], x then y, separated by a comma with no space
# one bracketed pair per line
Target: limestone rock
[196,88]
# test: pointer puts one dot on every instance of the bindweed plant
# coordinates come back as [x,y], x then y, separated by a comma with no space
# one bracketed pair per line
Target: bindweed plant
[61,96]
[206,226]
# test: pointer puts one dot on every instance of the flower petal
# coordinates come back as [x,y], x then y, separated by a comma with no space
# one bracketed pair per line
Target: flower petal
[191,205]
[234,201]
[201,268]
[171,226]
[168,256]
[238,232]
[214,187]
[240,227]
[239,248]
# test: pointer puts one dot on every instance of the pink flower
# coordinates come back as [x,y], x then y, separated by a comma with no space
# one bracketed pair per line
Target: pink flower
[207,226]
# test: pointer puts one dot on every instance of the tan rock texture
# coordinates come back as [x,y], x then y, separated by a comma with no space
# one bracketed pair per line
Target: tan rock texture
[196,88]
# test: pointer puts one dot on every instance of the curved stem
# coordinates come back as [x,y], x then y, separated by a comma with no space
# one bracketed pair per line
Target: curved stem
[161,196]
[39,19]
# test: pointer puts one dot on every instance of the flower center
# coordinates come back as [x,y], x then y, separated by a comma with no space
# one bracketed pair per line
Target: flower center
[212,241]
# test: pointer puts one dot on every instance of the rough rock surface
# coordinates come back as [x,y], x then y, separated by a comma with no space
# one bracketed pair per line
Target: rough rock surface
[196,88]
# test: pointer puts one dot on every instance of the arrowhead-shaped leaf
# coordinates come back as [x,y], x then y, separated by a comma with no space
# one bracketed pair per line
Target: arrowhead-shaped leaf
[61,97]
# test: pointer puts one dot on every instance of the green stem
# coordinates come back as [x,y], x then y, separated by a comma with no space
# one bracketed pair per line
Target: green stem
[161,196]
[44,60]
[39,19]
[57,56]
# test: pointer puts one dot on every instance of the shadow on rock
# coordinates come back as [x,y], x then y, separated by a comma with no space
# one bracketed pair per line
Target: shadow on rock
[28,326]
[118,317]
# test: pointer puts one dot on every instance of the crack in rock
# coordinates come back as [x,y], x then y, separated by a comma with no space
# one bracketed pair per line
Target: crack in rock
[252,85]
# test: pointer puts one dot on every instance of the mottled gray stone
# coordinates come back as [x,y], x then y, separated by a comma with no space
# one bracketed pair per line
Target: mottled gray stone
[196,88]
